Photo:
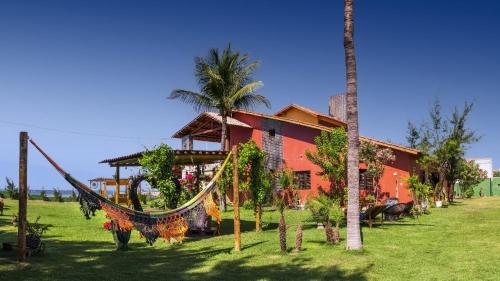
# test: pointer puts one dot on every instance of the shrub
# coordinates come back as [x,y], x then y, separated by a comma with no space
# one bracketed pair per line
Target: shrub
[248,204]
[36,228]
[157,167]
[57,195]
[43,195]
[157,203]
[327,211]
[73,197]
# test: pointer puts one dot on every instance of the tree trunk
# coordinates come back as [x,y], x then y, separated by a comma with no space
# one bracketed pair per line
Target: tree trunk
[298,238]
[258,217]
[224,136]
[282,233]
[224,147]
[336,234]
[353,231]
[330,237]
[134,197]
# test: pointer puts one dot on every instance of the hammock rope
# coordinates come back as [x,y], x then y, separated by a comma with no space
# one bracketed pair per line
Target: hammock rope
[171,224]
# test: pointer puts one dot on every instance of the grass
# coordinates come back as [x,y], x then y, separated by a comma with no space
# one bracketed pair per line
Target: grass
[457,243]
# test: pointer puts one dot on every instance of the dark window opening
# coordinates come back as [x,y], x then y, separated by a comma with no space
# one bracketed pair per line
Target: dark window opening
[272,132]
[303,179]
[365,180]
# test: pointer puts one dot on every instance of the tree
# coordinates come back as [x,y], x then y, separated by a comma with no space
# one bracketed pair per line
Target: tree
[157,166]
[470,176]
[11,190]
[327,210]
[353,228]
[375,158]
[226,83]
[496,173]
[252,176]
[330,156]
[443,143]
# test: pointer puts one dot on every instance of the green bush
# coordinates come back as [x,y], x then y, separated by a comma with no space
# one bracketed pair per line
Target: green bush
[57,195]
[43,195]
[248,204]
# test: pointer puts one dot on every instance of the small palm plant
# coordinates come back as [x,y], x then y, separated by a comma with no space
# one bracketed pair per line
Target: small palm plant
[327,211]
[280,204]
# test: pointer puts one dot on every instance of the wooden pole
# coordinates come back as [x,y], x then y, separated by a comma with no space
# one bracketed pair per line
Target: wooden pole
[236,201]
[117,186]
[23,195]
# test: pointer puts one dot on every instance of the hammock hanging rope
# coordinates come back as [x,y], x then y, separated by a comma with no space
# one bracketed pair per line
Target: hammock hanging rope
[168,224]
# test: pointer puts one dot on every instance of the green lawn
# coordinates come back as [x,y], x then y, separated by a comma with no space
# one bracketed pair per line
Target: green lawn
[458,243]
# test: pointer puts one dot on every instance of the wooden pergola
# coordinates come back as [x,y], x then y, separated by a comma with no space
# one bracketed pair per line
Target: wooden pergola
[182,157]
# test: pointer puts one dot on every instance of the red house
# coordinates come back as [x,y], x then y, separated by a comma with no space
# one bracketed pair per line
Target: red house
[286,135]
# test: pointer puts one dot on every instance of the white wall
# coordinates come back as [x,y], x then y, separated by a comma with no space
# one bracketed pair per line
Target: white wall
[485,164]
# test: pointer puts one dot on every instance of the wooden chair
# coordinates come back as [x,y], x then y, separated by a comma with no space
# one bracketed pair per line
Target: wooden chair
[395,211]
[371,213]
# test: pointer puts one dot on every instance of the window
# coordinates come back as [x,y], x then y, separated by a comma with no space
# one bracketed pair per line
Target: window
[365,181]
[303,179]
[272,132]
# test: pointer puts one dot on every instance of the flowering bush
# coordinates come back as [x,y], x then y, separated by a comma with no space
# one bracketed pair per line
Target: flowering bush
[108,226]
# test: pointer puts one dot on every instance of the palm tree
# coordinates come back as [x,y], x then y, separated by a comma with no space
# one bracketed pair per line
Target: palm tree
[226,83]
[353,228]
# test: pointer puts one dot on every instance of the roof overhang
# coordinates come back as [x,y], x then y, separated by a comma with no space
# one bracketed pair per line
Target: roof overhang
[182,157]
[207,127]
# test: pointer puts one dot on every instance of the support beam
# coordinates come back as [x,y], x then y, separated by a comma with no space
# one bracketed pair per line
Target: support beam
[117,187]
[23,195]
[187,142]
[236,201]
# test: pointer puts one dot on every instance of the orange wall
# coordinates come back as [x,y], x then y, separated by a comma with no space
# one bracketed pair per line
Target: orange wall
[297,139]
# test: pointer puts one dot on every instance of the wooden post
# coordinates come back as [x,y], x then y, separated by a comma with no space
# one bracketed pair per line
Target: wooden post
[236,201]
[23,195]
[117,187]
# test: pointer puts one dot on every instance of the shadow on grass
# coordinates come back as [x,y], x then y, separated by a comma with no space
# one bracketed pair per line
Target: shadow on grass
[227,226]
[69,260]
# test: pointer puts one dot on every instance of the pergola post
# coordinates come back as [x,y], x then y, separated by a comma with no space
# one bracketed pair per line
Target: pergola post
[23,195]
[236,201]
[117,186]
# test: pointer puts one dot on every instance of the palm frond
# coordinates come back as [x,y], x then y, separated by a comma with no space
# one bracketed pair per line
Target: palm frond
[249,101]
[199,101]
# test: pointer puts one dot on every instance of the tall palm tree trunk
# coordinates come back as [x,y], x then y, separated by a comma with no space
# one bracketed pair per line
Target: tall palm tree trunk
[224,144]
[224,147]
[353,228]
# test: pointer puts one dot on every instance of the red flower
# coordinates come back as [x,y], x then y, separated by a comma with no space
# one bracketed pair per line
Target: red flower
[181,181]
[189,177]
[189,186]
[107,225]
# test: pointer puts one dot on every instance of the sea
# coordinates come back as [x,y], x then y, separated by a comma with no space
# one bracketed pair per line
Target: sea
[68,192]
[50,192]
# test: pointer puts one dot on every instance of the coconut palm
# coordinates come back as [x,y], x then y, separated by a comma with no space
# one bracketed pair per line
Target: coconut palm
[353,228]
[226,83]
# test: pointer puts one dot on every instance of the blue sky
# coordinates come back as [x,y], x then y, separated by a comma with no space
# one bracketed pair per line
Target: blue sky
[104,68]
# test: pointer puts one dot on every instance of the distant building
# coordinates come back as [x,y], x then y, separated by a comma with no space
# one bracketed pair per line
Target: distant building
[485,164]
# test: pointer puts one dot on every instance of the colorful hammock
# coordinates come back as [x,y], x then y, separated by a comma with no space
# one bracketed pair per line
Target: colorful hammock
[168,224]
